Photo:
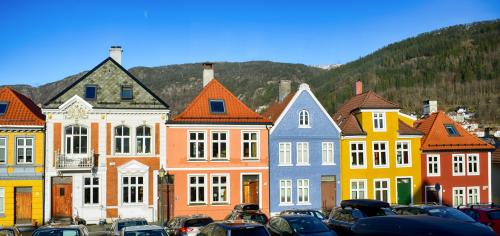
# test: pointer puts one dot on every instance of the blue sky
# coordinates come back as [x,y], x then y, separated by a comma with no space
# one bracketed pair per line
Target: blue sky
[44,41]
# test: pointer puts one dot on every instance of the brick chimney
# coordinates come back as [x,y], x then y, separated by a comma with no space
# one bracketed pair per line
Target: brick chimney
[429,107]
[115,52]
[284,89]
[358,87]
[208,73]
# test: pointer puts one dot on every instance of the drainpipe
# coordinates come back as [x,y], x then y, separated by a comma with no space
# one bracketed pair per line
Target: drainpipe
[43,173]
[269,167]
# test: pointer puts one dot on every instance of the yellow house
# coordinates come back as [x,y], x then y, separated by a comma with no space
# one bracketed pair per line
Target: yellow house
[380,151]
[21,159]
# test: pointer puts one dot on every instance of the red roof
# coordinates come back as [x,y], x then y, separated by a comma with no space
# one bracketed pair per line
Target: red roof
[276,108]
[436,137]
[21,110]
[198,111]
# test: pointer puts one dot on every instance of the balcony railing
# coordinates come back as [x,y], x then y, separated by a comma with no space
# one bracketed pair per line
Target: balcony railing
[75,162]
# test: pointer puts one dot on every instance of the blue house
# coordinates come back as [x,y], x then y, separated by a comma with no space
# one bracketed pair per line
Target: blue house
[304,152]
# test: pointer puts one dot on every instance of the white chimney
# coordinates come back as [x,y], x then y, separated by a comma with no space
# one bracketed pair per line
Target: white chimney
[208,73]
[284,89]
[430,107]
[115,52]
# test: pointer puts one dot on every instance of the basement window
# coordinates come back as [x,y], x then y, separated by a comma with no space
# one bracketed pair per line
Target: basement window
[452,131]
[3,108]
[217,106]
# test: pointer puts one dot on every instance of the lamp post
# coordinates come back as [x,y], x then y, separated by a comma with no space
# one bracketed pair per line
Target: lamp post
[161,174]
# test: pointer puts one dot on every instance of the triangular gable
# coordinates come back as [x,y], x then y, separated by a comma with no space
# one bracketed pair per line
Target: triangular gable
[21,111]
[133,167]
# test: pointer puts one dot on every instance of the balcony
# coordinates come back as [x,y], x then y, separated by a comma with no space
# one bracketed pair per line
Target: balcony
[75,162]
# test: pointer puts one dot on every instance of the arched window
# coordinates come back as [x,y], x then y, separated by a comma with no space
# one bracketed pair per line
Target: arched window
[143,138]
[76,139]
[304,118]
[122,139]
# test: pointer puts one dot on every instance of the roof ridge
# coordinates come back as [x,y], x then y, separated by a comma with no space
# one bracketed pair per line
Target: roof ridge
[435,114]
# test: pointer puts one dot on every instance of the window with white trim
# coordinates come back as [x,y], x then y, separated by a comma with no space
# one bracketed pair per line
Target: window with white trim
[285,156]
[196,190]
[122,139]
[132,189]
[219,188]
[358,189]
[90,190]
[24,150]
[433,165]
[403,153]
[197,145]
[458,164]
[458,196]
[2,200]
[143,139]
[327,153]
[3,150]
[285,191]
[219,145]
[304,118]
[380,158]
[379,121]
[473,164]
[382,190]
[473,196]
[302,191]
[76,139]
[357,154]
[250,145]
[302,153]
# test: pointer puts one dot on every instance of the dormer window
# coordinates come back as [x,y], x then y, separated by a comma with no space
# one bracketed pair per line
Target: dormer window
[3,108]
[90,92]
[452,131]
[217,106]
[304,119]
[379,121]
[127,93]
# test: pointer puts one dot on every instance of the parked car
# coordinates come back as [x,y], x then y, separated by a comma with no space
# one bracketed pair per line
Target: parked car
[9,231]
[143,230]
[342,218]
[186,225]
[247,212]
[234,228]
[310,212]
[298,224]
[415,225]
[61,230]
[486,214]
[119,224]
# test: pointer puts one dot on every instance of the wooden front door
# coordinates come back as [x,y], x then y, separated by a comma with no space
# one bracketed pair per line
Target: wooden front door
[404,190]
[23,204]
[62,198]
[328,192]
[251,189]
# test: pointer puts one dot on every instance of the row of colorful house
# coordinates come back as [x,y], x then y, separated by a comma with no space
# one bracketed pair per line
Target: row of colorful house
[106,147]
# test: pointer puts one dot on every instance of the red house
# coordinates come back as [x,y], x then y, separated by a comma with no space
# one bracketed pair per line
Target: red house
[456,165]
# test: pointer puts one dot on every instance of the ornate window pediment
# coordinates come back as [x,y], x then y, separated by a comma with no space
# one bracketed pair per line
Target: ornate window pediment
[76,109]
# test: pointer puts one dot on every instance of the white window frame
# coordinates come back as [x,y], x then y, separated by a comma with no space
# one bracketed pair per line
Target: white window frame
[92,187]
[249,142]
[388,189]
[303,186]
[477,194]
[438,163]
[72,139]
[2,200]
[219,187]
[328,148]
[357,155]
[476,162]
[304,119]
[219,142]
[458,162]
[303,152]
[197,143]
[136,185]
[3,149]
[285,160]
[122,140]
[286,186]
[379,118]
[380,152]
[197,185]
[402,150]
[144,138]
[25,147]
[463,195]
[358,190]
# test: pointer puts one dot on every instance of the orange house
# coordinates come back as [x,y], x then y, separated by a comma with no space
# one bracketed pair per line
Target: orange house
[217,153]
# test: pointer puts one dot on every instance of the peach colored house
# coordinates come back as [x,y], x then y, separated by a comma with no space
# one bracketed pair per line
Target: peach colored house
[217,153]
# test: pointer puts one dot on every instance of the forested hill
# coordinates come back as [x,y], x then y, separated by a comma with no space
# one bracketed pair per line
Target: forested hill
[457,66]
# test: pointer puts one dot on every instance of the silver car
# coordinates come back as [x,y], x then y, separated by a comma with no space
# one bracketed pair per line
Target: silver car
[119,224]
[143,230]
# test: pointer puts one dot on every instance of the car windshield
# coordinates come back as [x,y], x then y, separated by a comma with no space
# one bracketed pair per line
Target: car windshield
[450,213]
[198,222]
[58,232]
[249,231]
[494,215]
[259,218]
[377,212]
[6,232]
[158,232]
[306,225]
[121,225]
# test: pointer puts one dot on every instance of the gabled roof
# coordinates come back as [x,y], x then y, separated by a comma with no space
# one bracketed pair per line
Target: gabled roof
[436,136]
[21,111]
[236,112]
[276,108]
[405,129]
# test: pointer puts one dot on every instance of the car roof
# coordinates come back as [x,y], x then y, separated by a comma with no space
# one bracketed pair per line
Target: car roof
[61,226]
[238,224]
[130,219]
[296,216]
[364,203]
[423,206]
[300,210]
[142,227]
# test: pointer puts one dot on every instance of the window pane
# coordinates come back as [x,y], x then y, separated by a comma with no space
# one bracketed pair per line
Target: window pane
[86,196]
[95,195]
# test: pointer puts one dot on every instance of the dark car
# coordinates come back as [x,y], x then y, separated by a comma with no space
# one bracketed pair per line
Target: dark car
[416,225]
[143,230]
[119,224]
[486,214]
[234,228]
[342,218]
[295,225]
[247,212]
[187,225]
[310,212]
[61,230]
[9,231]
